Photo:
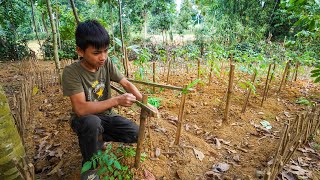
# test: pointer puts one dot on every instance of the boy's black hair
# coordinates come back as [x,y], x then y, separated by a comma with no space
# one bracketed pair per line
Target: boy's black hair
[91,32]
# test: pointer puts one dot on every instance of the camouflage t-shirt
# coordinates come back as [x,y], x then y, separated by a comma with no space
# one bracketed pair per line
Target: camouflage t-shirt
[95,85]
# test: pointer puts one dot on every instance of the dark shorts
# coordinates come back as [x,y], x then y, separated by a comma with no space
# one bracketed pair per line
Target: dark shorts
[112,128]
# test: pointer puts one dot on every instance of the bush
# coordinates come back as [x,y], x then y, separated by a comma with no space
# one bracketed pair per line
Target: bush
[67,50]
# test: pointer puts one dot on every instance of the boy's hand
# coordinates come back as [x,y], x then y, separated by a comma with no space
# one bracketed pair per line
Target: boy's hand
[126,99]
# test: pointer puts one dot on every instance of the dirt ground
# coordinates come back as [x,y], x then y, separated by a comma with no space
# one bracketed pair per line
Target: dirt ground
[206,139]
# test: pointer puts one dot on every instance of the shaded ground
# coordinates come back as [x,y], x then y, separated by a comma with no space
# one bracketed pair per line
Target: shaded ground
[51,143]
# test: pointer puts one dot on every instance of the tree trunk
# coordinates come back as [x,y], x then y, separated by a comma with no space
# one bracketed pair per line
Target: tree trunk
[11,145]
[74,12]
[44,24]
[57,21]
[112,24]
[54,37]
[34,22]
[122,41]
[145,28]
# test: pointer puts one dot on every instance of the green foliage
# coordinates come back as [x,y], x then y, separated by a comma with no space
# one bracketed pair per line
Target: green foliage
[316,74]
[304,101]
[109,164]
[162,12]
[12,34]
[193,83]
[154,101]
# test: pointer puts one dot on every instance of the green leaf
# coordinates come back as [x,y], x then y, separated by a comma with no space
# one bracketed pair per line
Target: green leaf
[193,83]
[124,168]
[111,178]
[94,164]
[106,178]
[109,163]
[317,79]
[110,169]
[116,173]
[120,177]
[315,74]
[87,165]
[117,164]
[102,170]
[315,71]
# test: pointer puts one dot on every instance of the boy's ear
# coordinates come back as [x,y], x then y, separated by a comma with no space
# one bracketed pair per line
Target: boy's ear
[80,51]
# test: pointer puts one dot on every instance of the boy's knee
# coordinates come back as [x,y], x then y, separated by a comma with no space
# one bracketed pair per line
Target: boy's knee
[91,123]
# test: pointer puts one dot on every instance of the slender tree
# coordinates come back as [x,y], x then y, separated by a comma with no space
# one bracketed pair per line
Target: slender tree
[74,11]
[34,22]
[54,36]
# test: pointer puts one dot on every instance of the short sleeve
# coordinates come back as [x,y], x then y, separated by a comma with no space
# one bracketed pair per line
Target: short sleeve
[115,74]
[71,82]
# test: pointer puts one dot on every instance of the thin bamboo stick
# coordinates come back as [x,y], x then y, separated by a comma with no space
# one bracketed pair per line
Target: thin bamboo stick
[284,76]
[266,85]
[180,117]
[143,117]
[229,92]
[249,92]
[154,76]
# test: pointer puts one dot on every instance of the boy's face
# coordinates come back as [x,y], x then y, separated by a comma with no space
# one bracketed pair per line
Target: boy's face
[95,58]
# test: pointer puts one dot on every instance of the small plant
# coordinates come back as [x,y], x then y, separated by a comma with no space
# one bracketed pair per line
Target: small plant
[154,101]
[108,164]
[304,101]
[193,83]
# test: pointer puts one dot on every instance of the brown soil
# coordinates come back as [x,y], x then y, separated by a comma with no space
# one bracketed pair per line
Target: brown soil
[50,142]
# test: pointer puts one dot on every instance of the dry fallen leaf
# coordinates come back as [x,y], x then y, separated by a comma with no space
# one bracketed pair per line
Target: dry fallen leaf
[221,167]
[199,155]
[158,152]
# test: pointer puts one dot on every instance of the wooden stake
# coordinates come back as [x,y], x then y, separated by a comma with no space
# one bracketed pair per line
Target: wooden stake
[296,71]
[284,76]
[154,76]
[229,92]
[168,71]
[249,92]
[210,74]
[272,75]
[198,75]
[266,85]
[180,117]
[143,117]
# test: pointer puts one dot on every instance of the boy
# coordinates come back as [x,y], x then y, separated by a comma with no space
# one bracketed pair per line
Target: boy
[87,83]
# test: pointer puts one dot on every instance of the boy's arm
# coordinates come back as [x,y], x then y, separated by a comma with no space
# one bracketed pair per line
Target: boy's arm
[82,107]
[130,88]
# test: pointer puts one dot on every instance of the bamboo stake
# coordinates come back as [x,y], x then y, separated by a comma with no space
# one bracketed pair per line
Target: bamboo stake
[284,76]
[249,92]
[210,74]
[180,117]
[285,130]
[143,117]
[229,92]
[154,76]
[198,75]
[296,71]
[272,75]
[266,85]
[168,74]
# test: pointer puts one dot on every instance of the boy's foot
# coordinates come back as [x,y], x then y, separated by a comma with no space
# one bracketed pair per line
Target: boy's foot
[148,175]
[90,175]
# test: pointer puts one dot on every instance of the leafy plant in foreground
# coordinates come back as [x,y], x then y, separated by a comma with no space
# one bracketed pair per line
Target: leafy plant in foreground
[109,165]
